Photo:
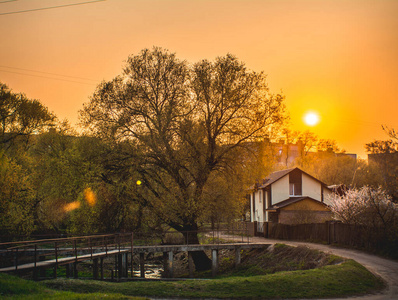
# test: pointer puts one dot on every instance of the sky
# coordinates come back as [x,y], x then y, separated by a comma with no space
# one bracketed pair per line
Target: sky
[338,58]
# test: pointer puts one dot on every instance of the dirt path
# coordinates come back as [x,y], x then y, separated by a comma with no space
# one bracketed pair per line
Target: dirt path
[386,269]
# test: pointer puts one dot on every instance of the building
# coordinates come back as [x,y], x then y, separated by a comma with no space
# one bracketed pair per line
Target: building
[289,196]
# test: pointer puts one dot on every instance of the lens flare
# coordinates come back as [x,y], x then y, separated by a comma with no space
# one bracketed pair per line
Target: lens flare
[90,196]
[71,206]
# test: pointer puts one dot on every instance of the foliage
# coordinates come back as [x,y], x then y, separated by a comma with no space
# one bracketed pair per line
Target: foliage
[65,183]
[341,169]
[182,123]
[77,191]
[16,199]
[377,147]
[20,116]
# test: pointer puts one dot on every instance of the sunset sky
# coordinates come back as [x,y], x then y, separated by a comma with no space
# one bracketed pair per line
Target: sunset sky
[337,58]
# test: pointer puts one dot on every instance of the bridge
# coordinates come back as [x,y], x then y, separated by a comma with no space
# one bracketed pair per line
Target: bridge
[39,255]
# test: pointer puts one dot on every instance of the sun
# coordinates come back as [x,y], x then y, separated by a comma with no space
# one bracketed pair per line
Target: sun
[311,118]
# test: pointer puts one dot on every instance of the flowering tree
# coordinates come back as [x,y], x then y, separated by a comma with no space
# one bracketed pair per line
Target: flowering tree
[365,206]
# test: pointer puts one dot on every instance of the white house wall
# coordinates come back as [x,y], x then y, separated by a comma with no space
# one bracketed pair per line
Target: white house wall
[252,209]
[280,190]
[311,188]
[258,213]
[326,196]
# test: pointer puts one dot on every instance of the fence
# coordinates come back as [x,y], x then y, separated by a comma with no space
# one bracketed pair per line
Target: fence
[370,238]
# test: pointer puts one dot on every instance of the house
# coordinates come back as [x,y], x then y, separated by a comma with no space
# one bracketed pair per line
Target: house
[289,196]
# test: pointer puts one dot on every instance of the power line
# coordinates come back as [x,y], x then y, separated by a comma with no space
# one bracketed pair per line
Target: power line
[39,76]
[49,7]
[7,1]
[48,73]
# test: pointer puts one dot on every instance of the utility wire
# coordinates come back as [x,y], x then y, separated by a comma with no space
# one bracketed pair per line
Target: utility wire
[49,7]
[48,73]
[39,76]
[7,1]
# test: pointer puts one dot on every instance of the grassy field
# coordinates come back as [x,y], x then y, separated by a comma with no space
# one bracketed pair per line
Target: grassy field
[12,287]
[347,278]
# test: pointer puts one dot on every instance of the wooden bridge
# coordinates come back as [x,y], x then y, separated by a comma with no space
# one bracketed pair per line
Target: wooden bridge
[37,256]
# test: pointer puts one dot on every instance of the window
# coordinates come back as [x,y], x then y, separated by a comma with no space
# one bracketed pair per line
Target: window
[294,189]
[295,183]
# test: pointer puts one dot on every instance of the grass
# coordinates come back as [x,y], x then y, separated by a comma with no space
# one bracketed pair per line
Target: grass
[346,279]
[12,287]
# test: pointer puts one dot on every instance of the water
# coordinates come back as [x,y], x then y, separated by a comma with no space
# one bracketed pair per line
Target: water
[152,271]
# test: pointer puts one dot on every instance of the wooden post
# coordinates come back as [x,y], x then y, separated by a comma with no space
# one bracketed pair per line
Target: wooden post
[16,259]
[190,264]
[123,265]
[214,262]
[75,273]
[237,256]
[56,260]
[170,264]
[132,251]
[165,265]
[95,268]
[120,265]
[328,228]
[35,275]
[68,270]
[142,265]
[102,267]
[42,271]
[116,266]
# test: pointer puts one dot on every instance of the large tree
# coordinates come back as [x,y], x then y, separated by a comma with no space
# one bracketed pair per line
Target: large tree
[20,116]
[183,122]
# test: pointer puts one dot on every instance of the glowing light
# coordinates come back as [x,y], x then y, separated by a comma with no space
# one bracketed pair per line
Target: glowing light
[138,182]
[90,197]
[71,206]
[311,118]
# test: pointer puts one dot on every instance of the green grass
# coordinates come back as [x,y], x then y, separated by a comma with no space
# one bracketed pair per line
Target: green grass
[348,278]
[12,287]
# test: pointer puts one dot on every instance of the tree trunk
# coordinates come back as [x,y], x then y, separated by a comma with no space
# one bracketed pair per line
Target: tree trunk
[201,260]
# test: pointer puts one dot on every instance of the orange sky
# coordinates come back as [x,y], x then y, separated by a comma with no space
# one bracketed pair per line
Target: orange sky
[339,58]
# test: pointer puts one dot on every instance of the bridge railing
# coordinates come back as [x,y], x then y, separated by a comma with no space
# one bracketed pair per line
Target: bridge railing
[24,252]
[203,236]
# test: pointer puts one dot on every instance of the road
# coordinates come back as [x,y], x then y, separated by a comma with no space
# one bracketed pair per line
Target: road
[385,268]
